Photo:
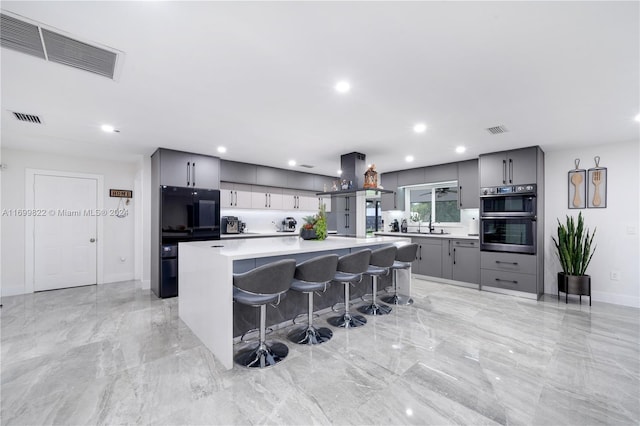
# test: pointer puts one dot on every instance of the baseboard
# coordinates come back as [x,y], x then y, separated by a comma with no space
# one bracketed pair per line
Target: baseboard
[114,278]
[12,290]
[145,284]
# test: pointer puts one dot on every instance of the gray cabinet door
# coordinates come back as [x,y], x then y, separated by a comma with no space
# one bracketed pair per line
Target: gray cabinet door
[270,176]
[447,259]
[299,180]
[391,201]
[468,186]
[175,168]
[440,173]
[493,169]
[466,263]
[429,255]
[411,177]
[323,183]
[232,171]
[205,172]
[522,166]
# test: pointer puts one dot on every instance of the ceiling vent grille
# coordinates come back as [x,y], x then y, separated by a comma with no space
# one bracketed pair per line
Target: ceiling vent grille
[306,166]
[20,36]
[496,130]
[27,118]
[56,47]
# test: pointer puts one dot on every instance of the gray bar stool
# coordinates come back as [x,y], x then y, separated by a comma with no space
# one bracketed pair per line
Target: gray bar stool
[350,269]
[313,275]
[257,287]
[406,254]
[381,261]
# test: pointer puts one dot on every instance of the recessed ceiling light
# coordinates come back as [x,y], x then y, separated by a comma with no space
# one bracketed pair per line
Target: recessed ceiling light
[460,149]
[420,128]
[637,118]
[339,172]
[108,128]
[222,149]
[408,158]
[292,162]
[342,86]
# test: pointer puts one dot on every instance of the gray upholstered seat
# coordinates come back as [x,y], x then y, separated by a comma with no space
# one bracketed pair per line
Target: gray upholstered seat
[258,287]
[313,275]
[350,269]
[406,254]
[381,261]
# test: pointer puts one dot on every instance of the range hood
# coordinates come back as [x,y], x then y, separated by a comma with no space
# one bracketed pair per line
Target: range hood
[353,166]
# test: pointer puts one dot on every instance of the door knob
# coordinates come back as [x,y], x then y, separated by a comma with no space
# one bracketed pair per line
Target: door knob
[92,240]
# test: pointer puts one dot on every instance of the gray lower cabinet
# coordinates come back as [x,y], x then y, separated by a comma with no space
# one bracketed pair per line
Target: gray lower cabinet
[468,185]
[429,257]
[461,260]
[344,208]
[509,271]
[177,168]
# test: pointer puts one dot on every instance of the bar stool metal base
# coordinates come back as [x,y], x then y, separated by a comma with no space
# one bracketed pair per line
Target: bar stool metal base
[397,299]
[375,309]
[347,321]
[310,335]
[262,356]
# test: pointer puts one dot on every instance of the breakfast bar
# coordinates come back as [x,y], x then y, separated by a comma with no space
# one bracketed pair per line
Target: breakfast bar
[206,278]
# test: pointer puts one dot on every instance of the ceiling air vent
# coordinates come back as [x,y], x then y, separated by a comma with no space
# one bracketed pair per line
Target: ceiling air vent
[306,166]
[68,51]
[34,39]
[27,117]
[20,36]
[496,130]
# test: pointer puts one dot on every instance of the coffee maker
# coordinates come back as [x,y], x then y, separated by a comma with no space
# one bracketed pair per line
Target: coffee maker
[289,224]
[395,226]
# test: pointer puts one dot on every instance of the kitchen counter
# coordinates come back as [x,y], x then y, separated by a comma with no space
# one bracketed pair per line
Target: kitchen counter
[425,235]
[205,274]
[257,235]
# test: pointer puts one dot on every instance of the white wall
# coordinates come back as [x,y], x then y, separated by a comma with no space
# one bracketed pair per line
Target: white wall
[119,234]
[618,245]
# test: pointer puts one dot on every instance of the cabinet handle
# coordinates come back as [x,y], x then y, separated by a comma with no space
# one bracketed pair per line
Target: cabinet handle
[507,263]
[298,200]
[269,200]
[236,198]
[231,198]
[188,173]
[507,281]
[449,248]
[420,251]
[460,196]
[454,256]
[510,170]
[504,171]
[193,174]
[266,202]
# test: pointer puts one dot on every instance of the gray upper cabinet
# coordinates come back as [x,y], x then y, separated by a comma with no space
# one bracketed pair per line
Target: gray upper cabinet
[440,173]
[323,183]
[394,200]
[468,185]
[515,167]
[411,177]
[299,180]
[270,176]
[185,169]
[232,171]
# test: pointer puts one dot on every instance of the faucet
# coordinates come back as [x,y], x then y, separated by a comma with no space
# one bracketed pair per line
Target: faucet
[431,228]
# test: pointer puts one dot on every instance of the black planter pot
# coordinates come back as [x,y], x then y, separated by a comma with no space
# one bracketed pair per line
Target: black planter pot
[308,234]
[574,284]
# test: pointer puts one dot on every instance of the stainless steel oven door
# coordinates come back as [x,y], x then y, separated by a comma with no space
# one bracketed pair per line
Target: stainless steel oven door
[512,234]
[508,205]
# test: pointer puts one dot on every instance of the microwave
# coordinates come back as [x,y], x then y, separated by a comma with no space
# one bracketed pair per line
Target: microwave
[512,200]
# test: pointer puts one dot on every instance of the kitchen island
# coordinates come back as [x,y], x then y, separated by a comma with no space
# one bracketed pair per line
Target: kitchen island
[206,278]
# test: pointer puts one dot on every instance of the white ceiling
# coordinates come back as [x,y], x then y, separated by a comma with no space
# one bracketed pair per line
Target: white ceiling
[258,78]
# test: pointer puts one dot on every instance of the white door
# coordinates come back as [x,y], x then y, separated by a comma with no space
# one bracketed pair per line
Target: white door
[65,247]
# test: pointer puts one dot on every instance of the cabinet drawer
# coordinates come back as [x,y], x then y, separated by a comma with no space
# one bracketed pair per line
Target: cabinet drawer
[508,280]
[513,262]
[465,243]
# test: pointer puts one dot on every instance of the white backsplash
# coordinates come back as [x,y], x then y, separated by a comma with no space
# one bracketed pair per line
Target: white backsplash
[467,217]
[266,220]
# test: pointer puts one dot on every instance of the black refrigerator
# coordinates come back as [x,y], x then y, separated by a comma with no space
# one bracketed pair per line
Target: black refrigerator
[186,214]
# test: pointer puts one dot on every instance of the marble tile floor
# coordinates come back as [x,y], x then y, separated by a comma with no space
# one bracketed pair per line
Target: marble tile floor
[115,354]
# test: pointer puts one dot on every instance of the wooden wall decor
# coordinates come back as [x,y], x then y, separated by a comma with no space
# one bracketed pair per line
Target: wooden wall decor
[597,184]
[576,184]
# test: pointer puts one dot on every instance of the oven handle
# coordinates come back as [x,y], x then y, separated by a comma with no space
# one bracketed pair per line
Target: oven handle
[532,217]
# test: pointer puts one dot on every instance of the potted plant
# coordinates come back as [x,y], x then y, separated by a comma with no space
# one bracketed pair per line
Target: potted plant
[574,249]
[315,227]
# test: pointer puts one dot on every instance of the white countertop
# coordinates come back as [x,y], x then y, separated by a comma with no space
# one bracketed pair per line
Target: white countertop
[257,235]
[249,248]
[435,235]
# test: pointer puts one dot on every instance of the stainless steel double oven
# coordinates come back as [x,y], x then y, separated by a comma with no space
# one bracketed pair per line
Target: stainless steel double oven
[508,219]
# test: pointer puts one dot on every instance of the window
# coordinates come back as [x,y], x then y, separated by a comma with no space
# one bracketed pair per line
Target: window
[434,203]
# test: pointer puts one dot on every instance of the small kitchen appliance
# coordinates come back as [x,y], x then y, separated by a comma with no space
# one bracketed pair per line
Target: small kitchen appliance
[395,227]
[403,226]
[230,225]
[289,224]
